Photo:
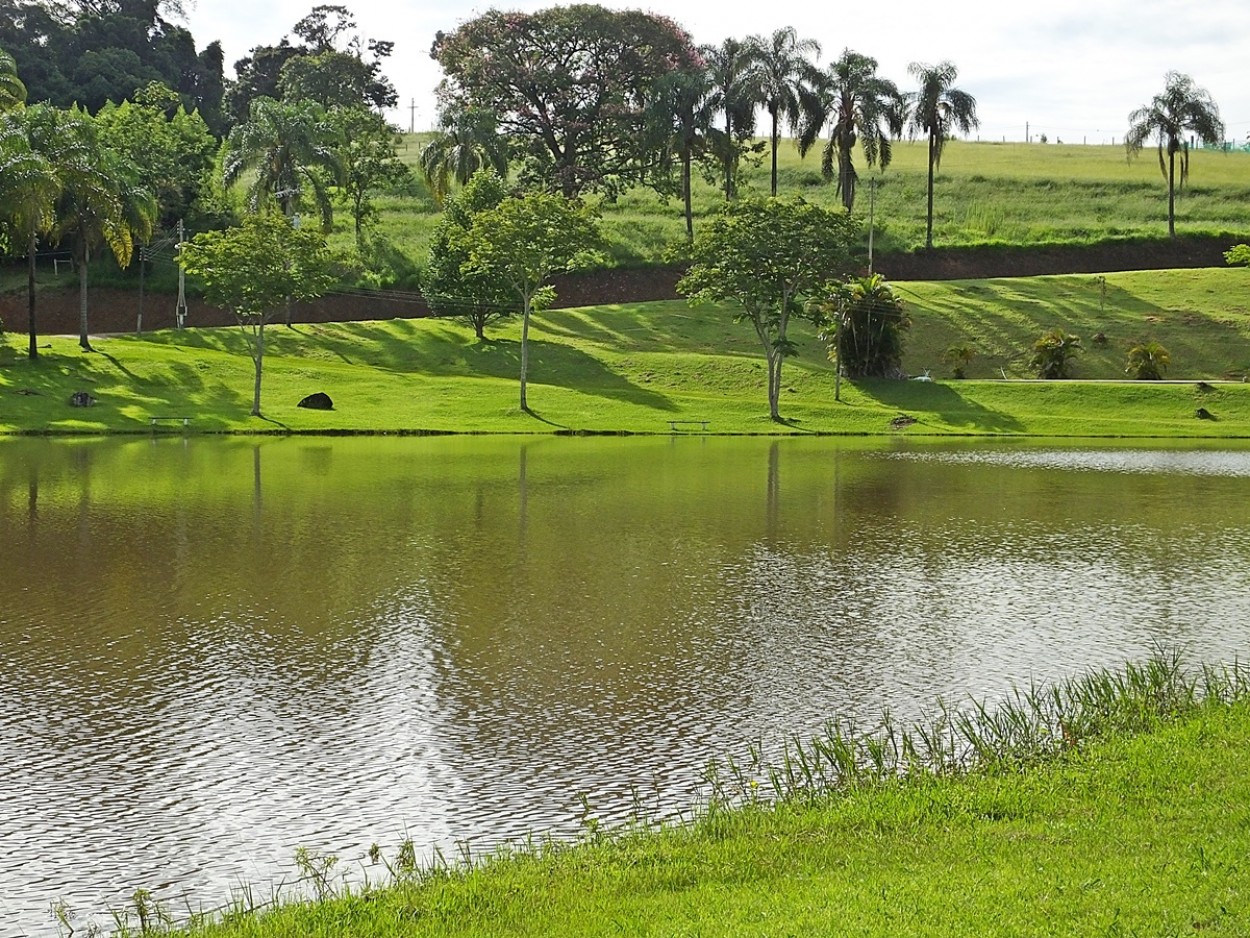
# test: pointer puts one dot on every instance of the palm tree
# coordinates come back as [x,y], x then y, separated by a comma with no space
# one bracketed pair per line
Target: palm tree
[858,107]
[786,79]
[735,93]
[937,110]
[682,112]
[101,203]
[12,91]
[34,151]
[288,148]
[1182,107]
[468,140]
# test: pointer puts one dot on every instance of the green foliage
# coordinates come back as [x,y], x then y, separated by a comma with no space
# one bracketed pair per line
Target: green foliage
[870,327]
[468,140]
[1053,354]
[767,257]
[1238,255]
[958,356]
[784,78]
[449,288]
[1147,361]
[734,80]
[570,84]
[12,91]
[938,110]
[366,154]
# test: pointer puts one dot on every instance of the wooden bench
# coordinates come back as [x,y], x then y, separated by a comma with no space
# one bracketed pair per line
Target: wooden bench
[673,425]
[186,421]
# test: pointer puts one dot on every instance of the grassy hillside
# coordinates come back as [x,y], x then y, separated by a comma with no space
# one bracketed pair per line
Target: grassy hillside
[986,193]
[633,368]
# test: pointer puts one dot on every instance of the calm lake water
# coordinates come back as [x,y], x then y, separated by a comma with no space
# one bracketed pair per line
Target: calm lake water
[213,652]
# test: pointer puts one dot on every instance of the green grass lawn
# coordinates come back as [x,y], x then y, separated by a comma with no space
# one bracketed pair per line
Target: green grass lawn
[1127,833]
[985,193]
[633,368]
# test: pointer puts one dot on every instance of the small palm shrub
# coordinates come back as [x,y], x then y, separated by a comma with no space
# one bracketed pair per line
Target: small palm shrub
[1053,354]
[1147,361]
[958,357]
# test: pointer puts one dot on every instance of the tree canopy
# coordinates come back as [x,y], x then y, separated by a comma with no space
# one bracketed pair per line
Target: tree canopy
[938,110]
[572,84]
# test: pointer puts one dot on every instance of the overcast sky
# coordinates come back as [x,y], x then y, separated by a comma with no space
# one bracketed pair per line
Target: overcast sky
[1072,69]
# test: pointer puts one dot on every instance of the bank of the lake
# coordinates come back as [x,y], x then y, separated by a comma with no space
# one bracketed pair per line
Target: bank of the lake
[1139,830]
[635,368]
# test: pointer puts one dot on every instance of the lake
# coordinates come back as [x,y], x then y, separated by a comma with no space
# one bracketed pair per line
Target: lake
[216,651]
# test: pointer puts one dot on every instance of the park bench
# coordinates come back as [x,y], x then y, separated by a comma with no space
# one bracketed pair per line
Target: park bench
[674,425]
[186,421]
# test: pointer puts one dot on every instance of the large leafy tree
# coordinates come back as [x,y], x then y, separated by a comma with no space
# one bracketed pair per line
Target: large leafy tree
[572,84]
[938,110]
[288,150]
[769,257]
[522,243]
[253,269]
[1182,108]
[467,140]
[102,203]
[452,286]
[786,78]
[735,94]
[172,149]
[858,107]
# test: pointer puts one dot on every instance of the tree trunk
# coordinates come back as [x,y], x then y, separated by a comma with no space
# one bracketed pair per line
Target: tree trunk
[33,352]
[774,385]
[685,191]
[848,190]
[525,349]
[258,358]
[80,261]
[1171,192]
[773,113]
[928,238]
[729,157]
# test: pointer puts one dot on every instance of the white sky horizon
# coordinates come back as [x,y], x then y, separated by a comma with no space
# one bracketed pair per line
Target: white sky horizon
[1071,69]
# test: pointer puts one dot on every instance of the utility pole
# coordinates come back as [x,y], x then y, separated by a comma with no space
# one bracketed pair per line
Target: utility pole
[837,372]
[412,117]
[872,203]
[1026,132]
[180,312]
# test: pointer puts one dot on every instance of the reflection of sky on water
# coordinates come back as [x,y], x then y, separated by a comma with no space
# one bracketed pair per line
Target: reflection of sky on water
[451,640]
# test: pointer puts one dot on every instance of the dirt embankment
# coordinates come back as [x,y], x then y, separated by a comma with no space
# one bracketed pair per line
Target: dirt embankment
[113,310]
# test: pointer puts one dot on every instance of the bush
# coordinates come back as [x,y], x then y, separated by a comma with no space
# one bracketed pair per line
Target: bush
[868,343]
[958,357]
[1147,361]
[1238,254]
[1053,354]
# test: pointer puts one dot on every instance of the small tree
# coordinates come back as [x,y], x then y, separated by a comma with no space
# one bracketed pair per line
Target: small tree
[473,296]
[958,357]
[767,256]
[252,270]
[1147,361]
[524,242]
[1053,354]
[867,340]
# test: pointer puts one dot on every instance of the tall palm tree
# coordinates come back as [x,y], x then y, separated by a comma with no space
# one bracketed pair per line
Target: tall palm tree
[939,109]
[468,139]
[1182,107]
[35,153]
[682,112]
[289,151]
[786,79]
[734,78]
[101,203]
[12,91]
[857,106]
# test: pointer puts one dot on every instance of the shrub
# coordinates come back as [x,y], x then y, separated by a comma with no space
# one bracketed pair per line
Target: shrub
[1053,354]
[958,357]
[1147,361]
[1238,254]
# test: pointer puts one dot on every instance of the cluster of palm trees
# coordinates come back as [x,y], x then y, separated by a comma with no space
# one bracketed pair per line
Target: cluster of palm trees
[59,181]
[709,115]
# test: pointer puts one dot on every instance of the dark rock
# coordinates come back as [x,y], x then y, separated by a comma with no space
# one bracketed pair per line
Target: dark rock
[1203,414]
[1204,387]
[901,421]
[317,401]
[81,399]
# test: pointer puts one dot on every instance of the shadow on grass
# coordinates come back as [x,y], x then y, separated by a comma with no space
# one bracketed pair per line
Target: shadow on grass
[941,400]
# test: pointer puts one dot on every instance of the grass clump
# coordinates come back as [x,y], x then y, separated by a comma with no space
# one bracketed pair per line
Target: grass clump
[1113,803]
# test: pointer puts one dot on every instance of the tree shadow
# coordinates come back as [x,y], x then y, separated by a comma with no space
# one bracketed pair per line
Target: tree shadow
[940,399]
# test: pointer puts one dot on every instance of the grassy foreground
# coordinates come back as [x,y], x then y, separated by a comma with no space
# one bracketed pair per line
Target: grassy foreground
[1115,804]
[634,368]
